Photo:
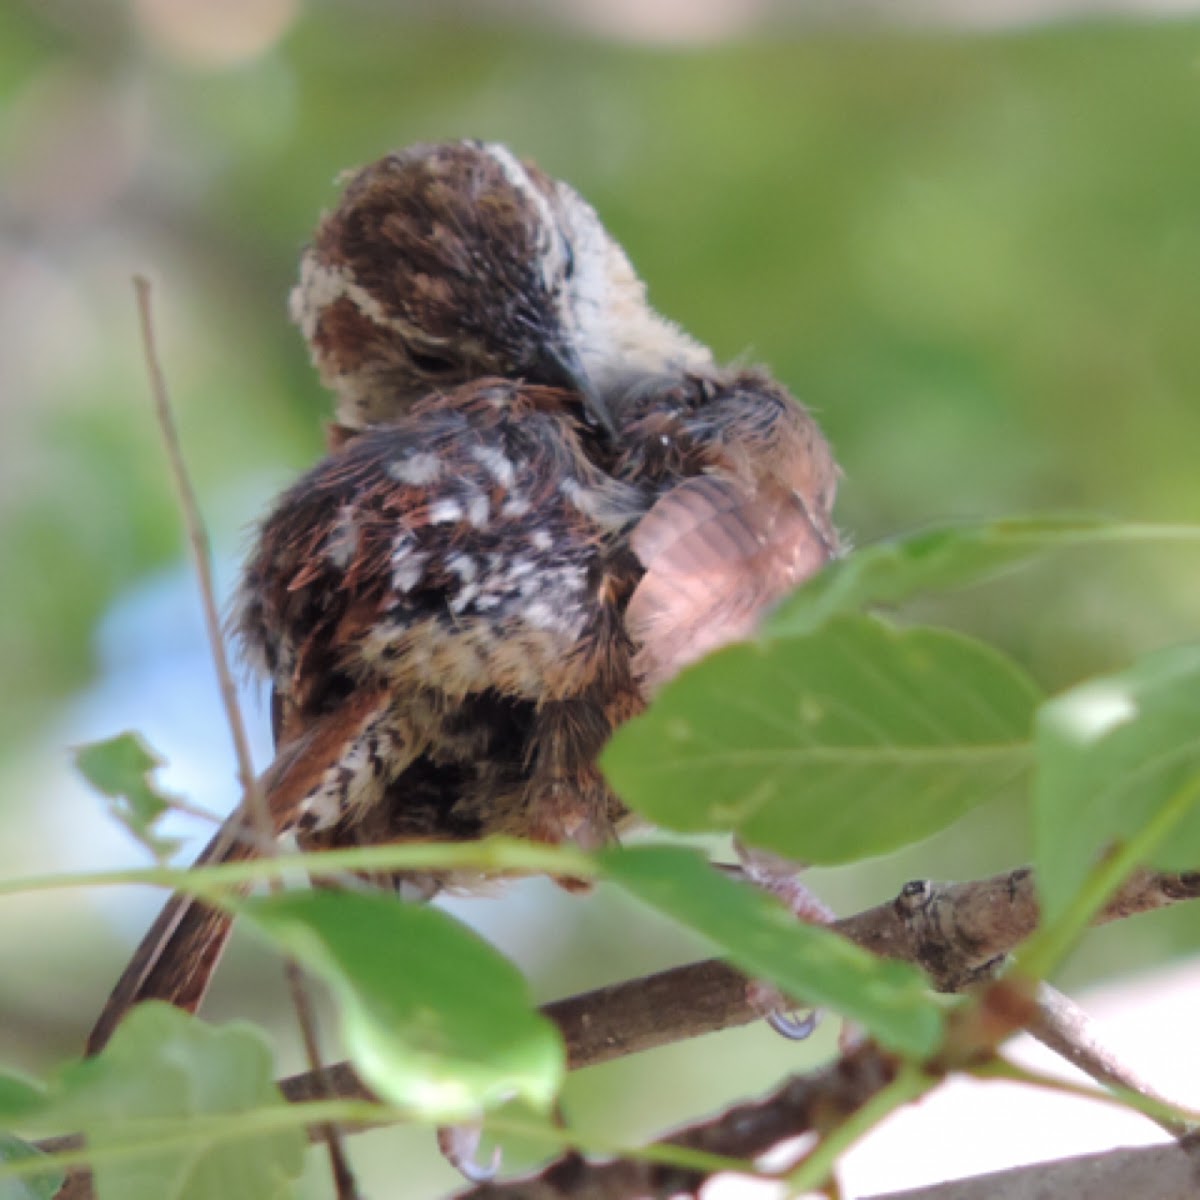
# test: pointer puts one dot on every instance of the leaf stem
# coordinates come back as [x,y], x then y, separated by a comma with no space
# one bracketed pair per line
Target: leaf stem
[666,1153]
[148,1137]
[1044,952]
[197,1128]
[1157,1110]
[910,1084]
[490,855]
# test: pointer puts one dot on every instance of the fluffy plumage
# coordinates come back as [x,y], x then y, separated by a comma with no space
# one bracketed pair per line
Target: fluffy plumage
[458,606]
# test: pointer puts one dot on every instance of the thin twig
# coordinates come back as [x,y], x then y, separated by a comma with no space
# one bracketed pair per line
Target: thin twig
[344,1184]
[252,798]
[201,553]
[818,1102]
[188,809]
[1064,1027]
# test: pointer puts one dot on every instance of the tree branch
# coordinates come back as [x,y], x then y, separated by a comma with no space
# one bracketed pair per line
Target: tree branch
[1062,1026]
[805,1103]
[953,930]
[1170,1172]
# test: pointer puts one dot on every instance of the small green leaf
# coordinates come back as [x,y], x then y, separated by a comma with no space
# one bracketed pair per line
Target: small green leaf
[928,560]
[758,935]
[433,1017]
[163,1064]
[120,768]
[19,1096]
[831,747]
[1112,754]
[27,1187]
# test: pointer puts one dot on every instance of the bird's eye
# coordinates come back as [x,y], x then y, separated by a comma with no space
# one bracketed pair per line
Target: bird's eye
[433,364]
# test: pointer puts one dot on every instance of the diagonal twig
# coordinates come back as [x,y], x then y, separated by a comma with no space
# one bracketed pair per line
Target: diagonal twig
[253,799]
[1062,1026]
[812,1103]
[201,550]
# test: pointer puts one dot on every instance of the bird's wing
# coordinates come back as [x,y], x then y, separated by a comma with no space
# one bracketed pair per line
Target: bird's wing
[717,555]
[452,556]
[456,552]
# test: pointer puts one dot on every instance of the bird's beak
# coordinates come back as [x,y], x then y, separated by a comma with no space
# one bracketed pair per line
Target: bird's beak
[560,366]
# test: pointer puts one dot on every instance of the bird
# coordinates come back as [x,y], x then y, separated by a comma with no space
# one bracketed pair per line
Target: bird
[447,262]
[542,501]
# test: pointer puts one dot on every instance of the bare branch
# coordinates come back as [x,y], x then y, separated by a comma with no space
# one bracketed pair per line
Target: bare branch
[977,922]
[1170,1172]
[806,1103]
[955,930]
[1065,1028]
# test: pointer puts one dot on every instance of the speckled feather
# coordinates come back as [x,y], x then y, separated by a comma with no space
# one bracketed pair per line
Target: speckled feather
[457,611]
[516,588]
[459,605]
[472,559]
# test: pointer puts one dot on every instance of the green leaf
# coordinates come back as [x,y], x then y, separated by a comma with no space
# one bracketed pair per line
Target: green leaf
[19,1096]
[28,1187]
[120,769]
[1112,755]
[928,560]
[163,1064]
[827,748]
[758,935]
[433,1017]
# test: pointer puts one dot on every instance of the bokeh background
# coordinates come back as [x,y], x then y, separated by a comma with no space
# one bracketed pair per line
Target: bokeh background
[967,233]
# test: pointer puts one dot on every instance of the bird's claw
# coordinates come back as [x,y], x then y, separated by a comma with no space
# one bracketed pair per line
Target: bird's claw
[793,1027]
[459,1145]
[779,1013]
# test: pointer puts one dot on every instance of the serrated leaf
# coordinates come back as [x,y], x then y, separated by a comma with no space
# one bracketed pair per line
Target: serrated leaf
[163,1064]
[43,1186]
[830,747]
[758,935]
[433,1017]
[1112,753]
[928,560]
[121,768]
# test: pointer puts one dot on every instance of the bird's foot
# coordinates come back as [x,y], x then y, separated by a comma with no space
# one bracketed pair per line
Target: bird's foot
[780,878]
[459,1145]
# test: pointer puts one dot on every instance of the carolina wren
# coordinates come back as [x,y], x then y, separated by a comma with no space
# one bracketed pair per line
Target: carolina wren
[449,262]
[493,570]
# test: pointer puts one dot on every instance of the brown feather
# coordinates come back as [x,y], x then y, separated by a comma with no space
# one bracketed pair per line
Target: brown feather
[179,953]
[458,609]
[176,959]
[459,605]
[717,557]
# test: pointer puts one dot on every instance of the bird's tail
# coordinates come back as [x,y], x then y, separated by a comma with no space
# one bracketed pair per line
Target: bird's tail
[176,959]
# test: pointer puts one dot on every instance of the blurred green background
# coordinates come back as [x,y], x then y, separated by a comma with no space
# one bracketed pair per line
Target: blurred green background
[976,255]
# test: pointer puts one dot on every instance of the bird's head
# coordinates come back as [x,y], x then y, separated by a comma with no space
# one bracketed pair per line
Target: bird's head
[447,262]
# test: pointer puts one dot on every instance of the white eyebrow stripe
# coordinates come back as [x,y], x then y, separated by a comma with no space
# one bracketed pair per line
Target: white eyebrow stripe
[516,174]
[551,239]
[323,284]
